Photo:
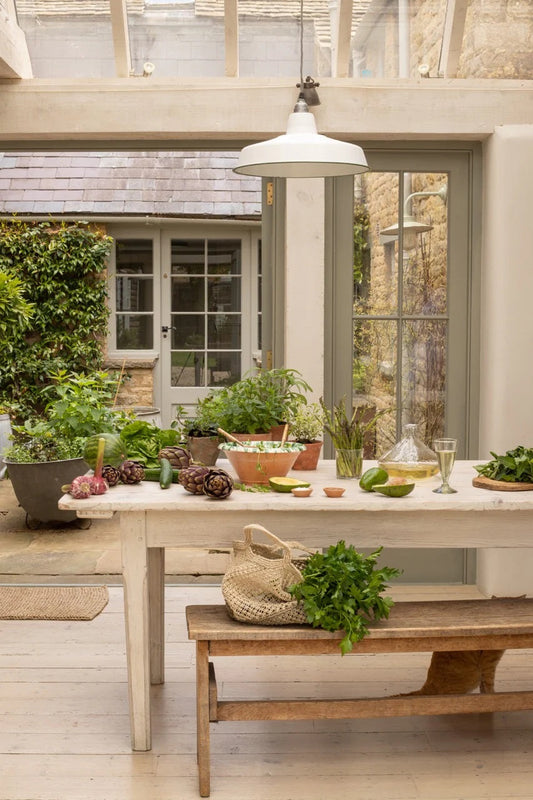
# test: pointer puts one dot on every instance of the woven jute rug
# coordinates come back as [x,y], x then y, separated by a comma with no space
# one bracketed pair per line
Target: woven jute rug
[52,602]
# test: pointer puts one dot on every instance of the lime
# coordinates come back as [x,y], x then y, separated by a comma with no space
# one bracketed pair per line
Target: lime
[373,476]
[395,489]
[286,484]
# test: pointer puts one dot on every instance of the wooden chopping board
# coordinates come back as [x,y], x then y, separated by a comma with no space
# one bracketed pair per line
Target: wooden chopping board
[480,482]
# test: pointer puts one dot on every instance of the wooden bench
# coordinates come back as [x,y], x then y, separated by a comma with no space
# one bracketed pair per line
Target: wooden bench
[412,627]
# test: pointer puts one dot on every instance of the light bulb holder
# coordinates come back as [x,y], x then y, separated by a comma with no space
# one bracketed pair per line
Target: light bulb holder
[308,91]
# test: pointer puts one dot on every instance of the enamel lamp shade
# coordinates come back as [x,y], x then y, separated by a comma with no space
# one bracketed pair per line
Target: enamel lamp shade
[302,152]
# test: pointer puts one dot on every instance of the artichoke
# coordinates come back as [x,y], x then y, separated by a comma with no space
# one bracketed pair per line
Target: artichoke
[192,478]
[131,472]
[218,484]
[111,474]
[178,456]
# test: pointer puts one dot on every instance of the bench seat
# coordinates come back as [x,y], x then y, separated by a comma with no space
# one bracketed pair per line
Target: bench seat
[424,626]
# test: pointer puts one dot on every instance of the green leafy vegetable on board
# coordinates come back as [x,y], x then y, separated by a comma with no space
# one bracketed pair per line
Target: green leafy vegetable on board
[144,441]
[341,590]
[515,466]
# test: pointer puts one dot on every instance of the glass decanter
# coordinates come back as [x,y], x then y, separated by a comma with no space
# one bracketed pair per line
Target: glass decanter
[410,457]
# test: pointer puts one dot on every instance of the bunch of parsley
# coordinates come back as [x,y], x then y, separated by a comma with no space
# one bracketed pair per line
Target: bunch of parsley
[341,590]
[515,466]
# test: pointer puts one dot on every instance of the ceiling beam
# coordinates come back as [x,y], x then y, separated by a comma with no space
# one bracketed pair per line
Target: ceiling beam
[121,38]
[14,56]
[236,111]
[343,32]
[231,37]
[452,38]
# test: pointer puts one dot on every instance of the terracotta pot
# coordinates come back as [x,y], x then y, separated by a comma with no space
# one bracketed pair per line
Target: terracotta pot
[204,449]
[276,432]
[253,437]
[308,458]
[259,467]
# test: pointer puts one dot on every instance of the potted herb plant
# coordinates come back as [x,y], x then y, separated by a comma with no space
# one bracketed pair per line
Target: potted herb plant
[255,404]
[306,425]
[347,431]
[47,452]
[200,432]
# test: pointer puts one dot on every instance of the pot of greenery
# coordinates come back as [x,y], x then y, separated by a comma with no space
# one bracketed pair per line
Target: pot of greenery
[47,453]
[348,431]
[254,405]
[200,433]
[306,425]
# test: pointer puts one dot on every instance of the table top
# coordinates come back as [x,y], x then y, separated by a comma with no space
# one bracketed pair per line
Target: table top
[148,496]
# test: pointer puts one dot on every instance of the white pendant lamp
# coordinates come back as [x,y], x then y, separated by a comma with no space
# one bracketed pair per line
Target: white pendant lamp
[302,152]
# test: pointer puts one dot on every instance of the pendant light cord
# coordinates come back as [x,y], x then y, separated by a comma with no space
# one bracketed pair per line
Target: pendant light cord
[301,43]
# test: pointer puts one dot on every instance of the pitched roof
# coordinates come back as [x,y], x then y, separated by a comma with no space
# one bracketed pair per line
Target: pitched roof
[183,184]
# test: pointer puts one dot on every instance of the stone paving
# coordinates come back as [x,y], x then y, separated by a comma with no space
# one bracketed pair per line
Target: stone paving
[68,554]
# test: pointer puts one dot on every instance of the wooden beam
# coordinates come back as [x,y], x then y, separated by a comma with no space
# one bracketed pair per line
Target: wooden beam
[236,111]
[121,39]
[231,37]
[452,38]
[14,56]
[344,38]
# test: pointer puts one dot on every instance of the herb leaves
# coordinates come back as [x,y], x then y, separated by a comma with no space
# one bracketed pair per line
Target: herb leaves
[515,466]
[341,590]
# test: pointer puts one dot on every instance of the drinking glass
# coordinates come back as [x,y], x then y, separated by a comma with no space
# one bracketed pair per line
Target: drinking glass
[445,450]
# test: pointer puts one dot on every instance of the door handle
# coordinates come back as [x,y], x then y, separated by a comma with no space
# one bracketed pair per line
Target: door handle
[167,328]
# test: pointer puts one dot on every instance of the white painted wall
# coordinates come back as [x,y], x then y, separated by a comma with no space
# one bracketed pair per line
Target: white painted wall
[506,382]
[304,286]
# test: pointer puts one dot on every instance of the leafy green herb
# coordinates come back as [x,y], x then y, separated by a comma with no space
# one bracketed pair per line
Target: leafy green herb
[515,466]
[144,441]
[341,590]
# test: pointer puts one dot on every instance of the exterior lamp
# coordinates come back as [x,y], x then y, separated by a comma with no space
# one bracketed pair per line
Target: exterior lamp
[302,152]
[411,227]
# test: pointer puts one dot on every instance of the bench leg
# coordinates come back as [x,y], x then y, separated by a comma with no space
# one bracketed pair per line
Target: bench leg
[202,716]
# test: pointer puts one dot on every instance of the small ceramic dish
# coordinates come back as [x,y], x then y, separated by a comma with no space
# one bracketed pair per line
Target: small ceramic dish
[302,491]
[334,491]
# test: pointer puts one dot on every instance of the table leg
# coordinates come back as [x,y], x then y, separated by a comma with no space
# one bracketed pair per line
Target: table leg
[137,619]
[202,718]
[156,593]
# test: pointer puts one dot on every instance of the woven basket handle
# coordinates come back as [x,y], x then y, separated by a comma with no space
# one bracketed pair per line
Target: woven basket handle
[286,546]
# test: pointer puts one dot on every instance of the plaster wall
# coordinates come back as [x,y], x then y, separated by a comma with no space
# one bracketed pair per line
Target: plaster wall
[304,281]
[506,383]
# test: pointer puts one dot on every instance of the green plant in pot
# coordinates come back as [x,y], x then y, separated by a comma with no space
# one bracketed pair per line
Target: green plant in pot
[257,403]
[348,431]
[200,433]
[306,425]
[47,452]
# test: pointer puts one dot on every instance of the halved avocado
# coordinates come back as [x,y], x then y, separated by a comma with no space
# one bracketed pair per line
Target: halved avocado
[286,484]
[394,489]
[373,476]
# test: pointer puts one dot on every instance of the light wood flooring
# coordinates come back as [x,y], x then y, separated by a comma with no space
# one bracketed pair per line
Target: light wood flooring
[64,726]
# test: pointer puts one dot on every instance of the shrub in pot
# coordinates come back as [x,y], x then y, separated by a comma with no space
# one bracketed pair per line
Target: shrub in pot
[306,425]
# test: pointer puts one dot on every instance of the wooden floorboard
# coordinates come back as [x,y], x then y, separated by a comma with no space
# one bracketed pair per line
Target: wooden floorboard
[64,725]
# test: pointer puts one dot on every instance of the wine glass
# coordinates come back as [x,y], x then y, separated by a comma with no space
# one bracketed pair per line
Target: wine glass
[445,450]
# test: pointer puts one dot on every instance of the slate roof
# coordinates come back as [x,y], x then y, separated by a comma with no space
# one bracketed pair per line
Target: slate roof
[191,184]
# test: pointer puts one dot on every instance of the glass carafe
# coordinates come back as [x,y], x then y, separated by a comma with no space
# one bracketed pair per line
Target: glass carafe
[410,457]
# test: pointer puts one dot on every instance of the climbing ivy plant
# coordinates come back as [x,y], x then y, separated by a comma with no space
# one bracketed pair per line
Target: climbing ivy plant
[60,267]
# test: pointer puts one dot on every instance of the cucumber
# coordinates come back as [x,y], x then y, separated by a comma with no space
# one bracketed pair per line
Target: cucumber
[154,474]
[166,474]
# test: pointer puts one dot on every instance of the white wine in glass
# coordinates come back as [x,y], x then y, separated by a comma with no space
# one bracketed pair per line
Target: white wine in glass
[446,450]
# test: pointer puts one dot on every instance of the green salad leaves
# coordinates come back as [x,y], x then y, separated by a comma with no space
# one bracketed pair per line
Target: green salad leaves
[144,441]
[515,466]
[341,590]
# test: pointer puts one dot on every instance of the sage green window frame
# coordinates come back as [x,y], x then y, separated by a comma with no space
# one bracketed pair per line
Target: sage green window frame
[463,167]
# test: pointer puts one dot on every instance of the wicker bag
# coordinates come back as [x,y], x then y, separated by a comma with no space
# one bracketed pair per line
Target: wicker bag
[256,581]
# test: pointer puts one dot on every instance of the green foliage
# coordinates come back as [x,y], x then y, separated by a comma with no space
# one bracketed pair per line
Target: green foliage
[15,311]
[78,406]
[515,466]
[60,267]
[144,441]
[341,590]
[361,248]
[306,422]
[254,404]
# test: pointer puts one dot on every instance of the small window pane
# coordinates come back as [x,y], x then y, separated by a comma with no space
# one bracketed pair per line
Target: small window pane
[135,294]
[187,369]
[188,331]
[224,332]
[134,332]
[224,257]
[224,368]
[188,294]
[188,257]
[134,256]
[224,294]
[423,376]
